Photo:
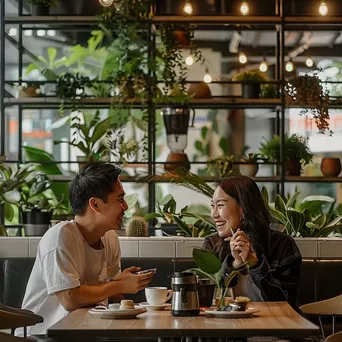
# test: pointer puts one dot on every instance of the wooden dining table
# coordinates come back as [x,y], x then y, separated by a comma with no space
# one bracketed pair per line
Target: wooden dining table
[273,319]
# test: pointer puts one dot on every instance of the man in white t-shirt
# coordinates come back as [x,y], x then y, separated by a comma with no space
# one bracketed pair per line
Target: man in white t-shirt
[78,261]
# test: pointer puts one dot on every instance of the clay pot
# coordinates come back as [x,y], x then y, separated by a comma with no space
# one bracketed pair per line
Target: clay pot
[249,170]
[183,38]
[331,167]
[177,160]
[293,167]
[30,91]
[200,90]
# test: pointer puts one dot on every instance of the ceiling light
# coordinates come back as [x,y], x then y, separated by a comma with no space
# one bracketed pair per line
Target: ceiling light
[242,58]
[309,62]
[189,60]
[187,8]
[41,33]
[263,66]
[244,8]
[28,33]
[323,8]
[106,3]
[12,31]
[289,66]
[207,78]
[51,33]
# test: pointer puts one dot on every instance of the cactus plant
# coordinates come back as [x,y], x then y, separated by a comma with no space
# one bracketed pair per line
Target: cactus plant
[136,226]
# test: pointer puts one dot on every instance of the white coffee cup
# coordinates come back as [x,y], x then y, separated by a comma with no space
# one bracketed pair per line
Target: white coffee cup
[157,295]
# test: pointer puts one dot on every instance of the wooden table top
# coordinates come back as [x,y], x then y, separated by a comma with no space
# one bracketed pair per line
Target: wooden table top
[273,319]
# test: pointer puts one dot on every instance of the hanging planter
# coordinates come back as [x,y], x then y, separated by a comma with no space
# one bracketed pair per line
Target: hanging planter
[41,7]
[307,92]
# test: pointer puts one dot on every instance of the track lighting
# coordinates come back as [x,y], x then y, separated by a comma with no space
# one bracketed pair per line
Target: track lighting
[242,58]
[207,78]
[187,9]
[323,8]
[244,8]
[309,62]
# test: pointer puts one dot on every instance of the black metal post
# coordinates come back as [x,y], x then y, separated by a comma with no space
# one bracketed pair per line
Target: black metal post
[151,123]
[282,83]
[20,72]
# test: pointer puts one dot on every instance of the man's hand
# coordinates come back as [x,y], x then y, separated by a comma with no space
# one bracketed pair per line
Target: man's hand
[133,283]
[241,248]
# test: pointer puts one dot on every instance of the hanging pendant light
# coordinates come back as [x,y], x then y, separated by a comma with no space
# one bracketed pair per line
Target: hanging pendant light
[106,3]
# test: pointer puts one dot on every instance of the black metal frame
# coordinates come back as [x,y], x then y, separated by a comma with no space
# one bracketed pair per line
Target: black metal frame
[278,22]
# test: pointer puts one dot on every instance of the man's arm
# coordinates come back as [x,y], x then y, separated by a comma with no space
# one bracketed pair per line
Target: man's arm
[86,295]
[116,298]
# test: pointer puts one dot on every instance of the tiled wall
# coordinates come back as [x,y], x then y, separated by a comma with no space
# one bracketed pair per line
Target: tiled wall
[166,247]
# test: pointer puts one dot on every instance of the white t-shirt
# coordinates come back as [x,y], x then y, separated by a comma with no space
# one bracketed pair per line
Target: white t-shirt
[65,261]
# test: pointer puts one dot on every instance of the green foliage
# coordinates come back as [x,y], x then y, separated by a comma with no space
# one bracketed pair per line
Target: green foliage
[12,177]
[136,226]
[251,158]
[48,66]
[307,218]
[269,91]
[308,92]
[295,147]
[221,166]
[192,225]
[183,177]
[98,138]
[210,266]
[250,77]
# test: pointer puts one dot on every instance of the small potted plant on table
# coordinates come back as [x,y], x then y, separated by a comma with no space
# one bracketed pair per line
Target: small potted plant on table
[251,81]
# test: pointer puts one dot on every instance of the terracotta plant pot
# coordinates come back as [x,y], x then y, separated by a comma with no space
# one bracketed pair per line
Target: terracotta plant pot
[331,167]
[200,90]
[177,160]
[183,38]
[249,170]
[30,91]
[293,167]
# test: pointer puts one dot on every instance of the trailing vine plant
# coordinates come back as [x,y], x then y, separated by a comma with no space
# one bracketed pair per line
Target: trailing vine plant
[308,92]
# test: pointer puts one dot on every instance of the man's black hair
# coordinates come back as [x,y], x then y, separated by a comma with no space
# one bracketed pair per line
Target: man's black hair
[95,179]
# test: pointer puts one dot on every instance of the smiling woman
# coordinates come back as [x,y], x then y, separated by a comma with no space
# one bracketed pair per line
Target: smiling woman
[244,235]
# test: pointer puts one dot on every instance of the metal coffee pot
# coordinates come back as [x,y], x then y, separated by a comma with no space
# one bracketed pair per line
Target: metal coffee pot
[185,294]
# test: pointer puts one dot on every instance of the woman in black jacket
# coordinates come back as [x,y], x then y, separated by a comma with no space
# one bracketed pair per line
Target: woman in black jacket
[243,233]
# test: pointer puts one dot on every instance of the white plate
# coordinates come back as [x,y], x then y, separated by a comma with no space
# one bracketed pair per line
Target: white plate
[232,314]
[154,307]
[114,312]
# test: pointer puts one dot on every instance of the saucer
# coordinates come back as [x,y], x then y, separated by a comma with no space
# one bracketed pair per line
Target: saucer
[154,307]
[114,312]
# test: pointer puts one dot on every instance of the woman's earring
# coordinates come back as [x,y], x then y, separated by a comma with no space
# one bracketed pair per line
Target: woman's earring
[242,219]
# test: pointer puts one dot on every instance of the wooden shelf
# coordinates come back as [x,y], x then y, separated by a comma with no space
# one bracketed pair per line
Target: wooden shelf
[316,179]
[54,102]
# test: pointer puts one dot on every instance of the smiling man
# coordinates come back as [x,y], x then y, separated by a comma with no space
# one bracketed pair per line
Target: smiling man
[78,261]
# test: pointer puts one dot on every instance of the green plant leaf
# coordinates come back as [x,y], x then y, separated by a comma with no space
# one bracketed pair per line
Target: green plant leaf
[151,216]
[9,212]
[280,205]
[183,226]
[131,200]
[204,132]
[12,196]
[334,222]
[166,199]
[206,260]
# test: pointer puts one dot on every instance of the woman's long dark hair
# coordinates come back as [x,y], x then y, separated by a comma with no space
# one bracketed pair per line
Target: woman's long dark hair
[256,218]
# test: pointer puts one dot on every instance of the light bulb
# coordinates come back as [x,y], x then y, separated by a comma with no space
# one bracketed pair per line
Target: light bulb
[207,78]
[28,33]
[187,8]
[41,33]
[106,3]
[189,60]
[242,58]
[263,66]
[289,66]
[323,8]
[309,62]
[51,33]
[244,8]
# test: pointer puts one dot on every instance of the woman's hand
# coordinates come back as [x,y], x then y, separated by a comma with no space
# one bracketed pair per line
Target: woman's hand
[241,250]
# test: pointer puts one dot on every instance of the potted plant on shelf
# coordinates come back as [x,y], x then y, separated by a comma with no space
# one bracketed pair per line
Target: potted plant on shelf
[221,166]
[250,83]
[41,7]
[95,138]
[249,164]
[307,92]
[38,203]
[190,224]
[296,152]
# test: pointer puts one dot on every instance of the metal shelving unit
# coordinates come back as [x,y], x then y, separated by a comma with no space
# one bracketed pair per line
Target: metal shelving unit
[277,23]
